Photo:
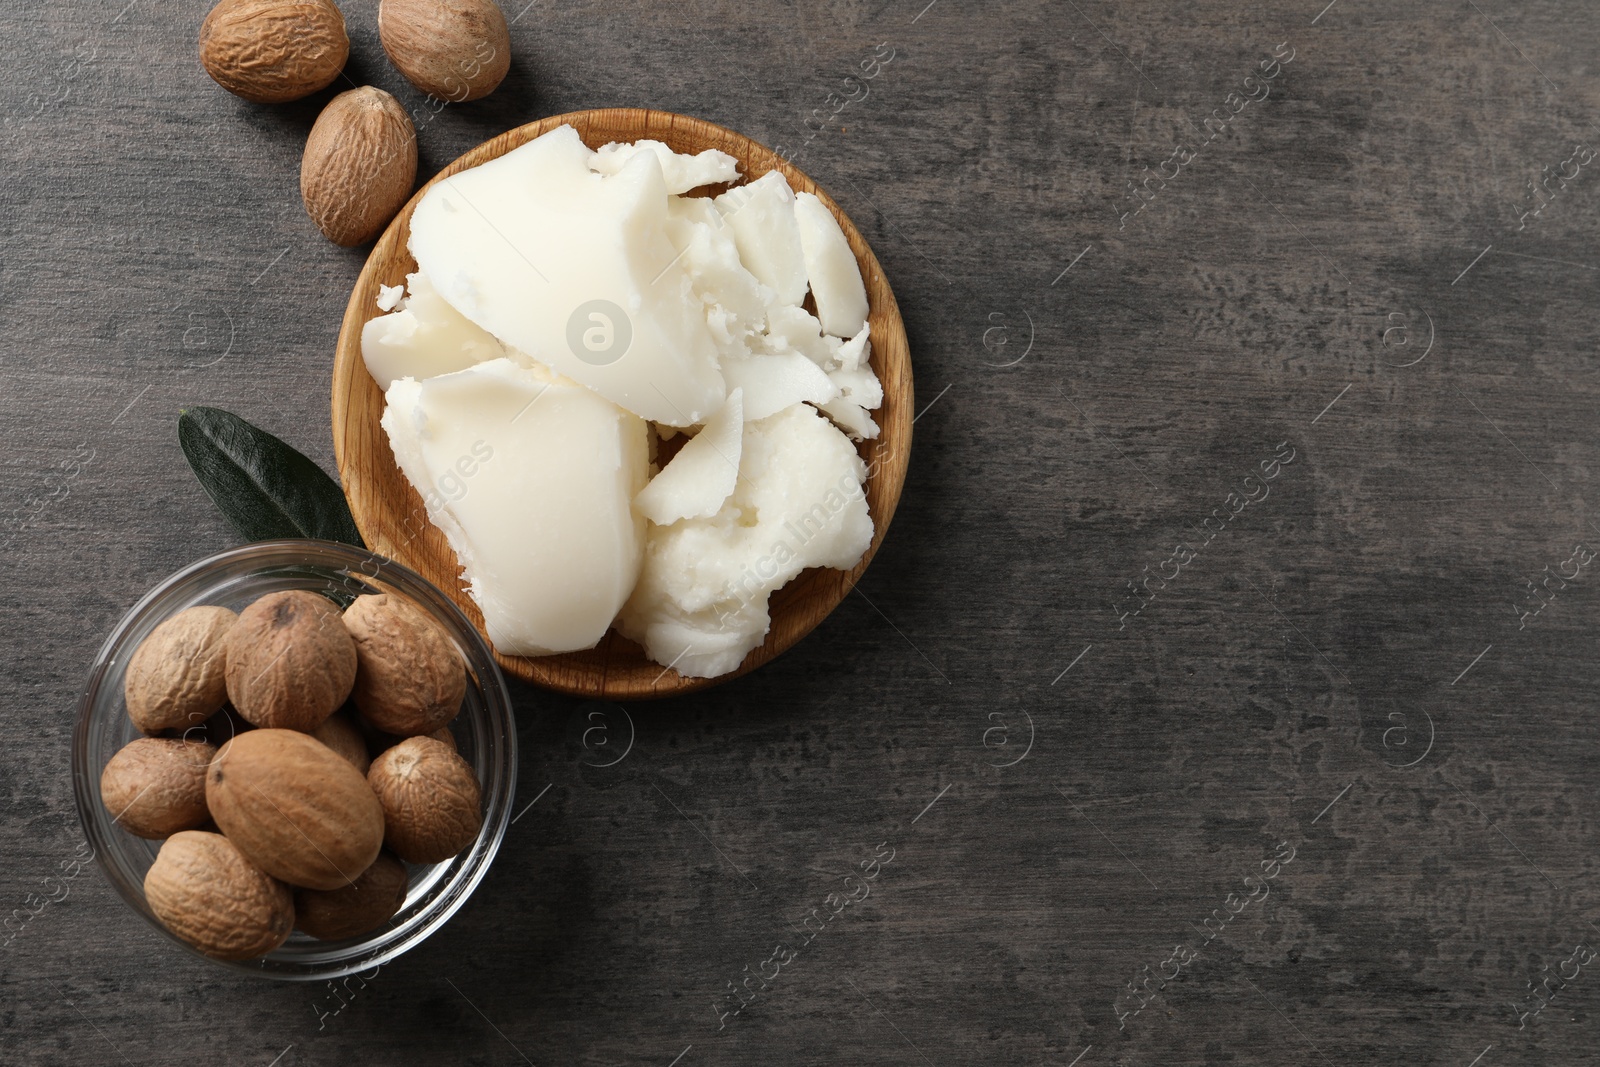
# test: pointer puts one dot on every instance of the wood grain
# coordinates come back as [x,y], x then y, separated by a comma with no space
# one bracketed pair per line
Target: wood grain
[392,516]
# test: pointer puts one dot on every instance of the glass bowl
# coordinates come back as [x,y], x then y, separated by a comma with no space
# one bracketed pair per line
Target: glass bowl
[485,735]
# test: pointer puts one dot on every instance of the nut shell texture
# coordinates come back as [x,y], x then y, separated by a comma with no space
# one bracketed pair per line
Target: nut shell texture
[430,798]
[455,50]
[295,808]
[290,661]
[270,51]
[342,735]
[359,908]
[156,786]
[177,677]
[409,678]
[203,889]
[359,165]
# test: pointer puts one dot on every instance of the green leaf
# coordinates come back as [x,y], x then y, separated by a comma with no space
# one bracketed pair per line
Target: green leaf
[264,487]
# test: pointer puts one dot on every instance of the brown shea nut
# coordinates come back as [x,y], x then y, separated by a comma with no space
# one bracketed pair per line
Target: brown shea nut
[455,50]
[176,677]
[295,808]
[270,51]
[156,786]
[378,741]
[409,678]
[363,905]
[291,662]
[430,800]
[342,735]
[359,165]
[203,889]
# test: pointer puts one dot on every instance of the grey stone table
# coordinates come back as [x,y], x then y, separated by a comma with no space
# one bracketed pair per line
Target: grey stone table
[1224,692]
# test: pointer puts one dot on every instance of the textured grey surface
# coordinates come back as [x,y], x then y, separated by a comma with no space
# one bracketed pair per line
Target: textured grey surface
[1342,668]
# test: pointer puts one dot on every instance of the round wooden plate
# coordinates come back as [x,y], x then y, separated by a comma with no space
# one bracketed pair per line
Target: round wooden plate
[391,515]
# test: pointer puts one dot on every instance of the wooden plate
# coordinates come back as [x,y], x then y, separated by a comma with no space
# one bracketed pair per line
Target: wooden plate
[391,514]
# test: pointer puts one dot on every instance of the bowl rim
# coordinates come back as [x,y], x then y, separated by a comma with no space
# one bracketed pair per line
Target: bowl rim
[810,598]
[499,790]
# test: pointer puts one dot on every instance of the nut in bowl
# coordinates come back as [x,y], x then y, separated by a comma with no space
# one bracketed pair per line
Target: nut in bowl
[663,458]
[259,835]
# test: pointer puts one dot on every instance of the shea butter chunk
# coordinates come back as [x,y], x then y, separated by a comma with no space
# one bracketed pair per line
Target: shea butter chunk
[852,418]
[532,479]
[795,328]
[735,302]
[681,172]
[835,279]
[701,601]
[700,477]
[762,217]
[424,338]
[860,392]
[774,381]
[389,296]
[576,270]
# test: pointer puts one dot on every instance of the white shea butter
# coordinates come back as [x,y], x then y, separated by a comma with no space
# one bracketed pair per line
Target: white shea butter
[532,479]
[701,601]
[761,215]
[700,477]
[681,172]
[835,279]
[575,269]
[795,328]
[852,418]
[389,296]
[426,337]
[860,392]
[735,302]
[856,352]
[774,381]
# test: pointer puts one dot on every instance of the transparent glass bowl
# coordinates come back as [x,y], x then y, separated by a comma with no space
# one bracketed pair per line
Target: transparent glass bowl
[485,735]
